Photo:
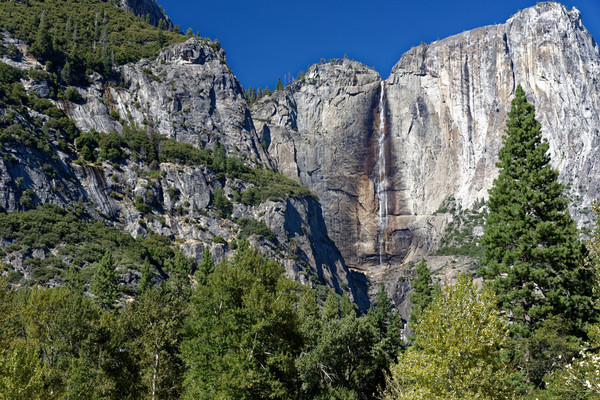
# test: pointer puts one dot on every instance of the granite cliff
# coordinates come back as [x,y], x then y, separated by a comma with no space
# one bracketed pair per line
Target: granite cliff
[436,125]
[187,94]
[391,161]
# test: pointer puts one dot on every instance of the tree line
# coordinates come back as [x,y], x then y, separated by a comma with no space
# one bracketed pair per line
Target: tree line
[237,329]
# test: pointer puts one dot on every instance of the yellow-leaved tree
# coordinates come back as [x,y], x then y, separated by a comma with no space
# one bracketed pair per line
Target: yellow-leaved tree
[457,352]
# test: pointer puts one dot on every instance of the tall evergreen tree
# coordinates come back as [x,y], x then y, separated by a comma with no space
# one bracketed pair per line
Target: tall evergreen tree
[242,333]
[206,267]
[147,280]
[532,255]
[422,291]
[104,282]
[279,85]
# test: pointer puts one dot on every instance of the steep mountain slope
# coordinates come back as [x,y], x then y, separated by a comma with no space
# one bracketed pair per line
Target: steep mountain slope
[395,163]
[143,8]
[163,146]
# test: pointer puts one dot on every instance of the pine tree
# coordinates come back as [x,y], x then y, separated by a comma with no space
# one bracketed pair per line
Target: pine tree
[42,46]
[104,282]
[532,256]
[147,280]
[422,291]
[279,85]
[205,268]
[180,269]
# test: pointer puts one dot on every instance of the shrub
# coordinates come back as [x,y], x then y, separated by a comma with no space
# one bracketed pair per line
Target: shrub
[72,94]
[251,227]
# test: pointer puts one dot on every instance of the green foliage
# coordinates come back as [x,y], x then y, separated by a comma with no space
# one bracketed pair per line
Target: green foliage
[579,378]
[279,86]
[457,350]
[70,235]
[222,203]
[81,37]
[251,227]
[180,271]
[153,330]
[146,281]
[252,95]
[269,185]
[22,373]
[548,349]
[57,344]
[86,143]
[459,238]
[26,200]
[344,356]
[104,283]
[205,268]
[533,258]
[242,331]
[111,147]
[422,293]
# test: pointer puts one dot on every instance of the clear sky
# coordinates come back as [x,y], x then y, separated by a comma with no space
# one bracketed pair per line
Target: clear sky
[267,39]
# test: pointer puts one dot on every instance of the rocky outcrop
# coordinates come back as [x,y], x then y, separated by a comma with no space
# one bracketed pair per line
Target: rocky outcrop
[149,8]
[320,132]
[177,201]
[188,93]
[449,101]
[444,111]
[385,158]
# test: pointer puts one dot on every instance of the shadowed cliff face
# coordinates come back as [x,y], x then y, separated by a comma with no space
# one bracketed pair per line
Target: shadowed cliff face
[143,8]
[187,93]
[445,111]
[323,132]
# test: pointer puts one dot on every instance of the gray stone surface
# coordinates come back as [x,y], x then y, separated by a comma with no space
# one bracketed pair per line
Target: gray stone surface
[446,105]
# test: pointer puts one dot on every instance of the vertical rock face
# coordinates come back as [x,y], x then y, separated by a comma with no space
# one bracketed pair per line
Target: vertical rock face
[320,132]
[445,110]
[141,8]
[449,102]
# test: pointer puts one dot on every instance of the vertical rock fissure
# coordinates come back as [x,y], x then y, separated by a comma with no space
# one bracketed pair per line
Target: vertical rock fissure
[382,183]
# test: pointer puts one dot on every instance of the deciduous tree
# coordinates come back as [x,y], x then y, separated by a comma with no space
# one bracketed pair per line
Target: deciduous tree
[457,350]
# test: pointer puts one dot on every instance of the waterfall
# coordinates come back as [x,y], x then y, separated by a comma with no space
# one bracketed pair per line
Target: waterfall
[381,184]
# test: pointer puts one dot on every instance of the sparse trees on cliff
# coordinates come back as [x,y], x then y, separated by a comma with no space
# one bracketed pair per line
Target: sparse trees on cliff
[423,291]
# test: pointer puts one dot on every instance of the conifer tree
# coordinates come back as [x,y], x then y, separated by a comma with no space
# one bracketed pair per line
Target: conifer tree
[147,280]
[279,85]
[532,256]
[104,282]
[422,291]
[206,267]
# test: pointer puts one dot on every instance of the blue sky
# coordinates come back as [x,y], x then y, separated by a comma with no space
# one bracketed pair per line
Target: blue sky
[267,39]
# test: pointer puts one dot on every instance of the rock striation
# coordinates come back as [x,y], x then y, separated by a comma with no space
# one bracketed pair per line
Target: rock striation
[187,93]
[445,110]
[385,157]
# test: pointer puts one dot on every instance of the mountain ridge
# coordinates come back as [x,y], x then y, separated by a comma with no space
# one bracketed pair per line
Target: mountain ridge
[440,116]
